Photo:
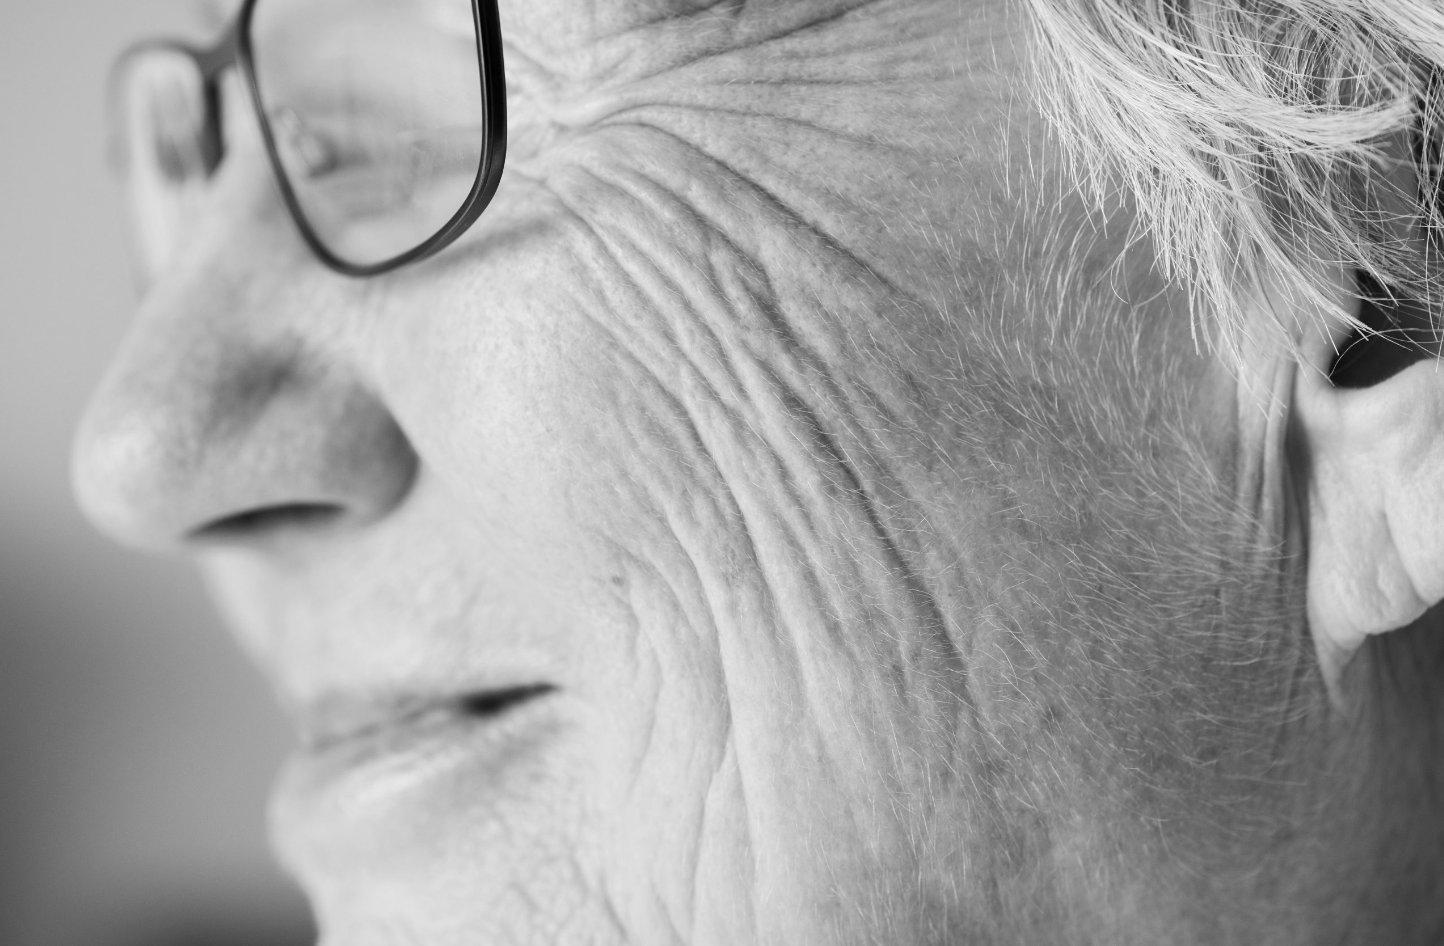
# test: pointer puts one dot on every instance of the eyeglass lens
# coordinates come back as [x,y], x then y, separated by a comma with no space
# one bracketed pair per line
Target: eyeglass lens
[374,110]
[162,139]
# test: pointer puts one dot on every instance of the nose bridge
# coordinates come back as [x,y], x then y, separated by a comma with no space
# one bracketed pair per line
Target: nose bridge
[236,399]
[188,150]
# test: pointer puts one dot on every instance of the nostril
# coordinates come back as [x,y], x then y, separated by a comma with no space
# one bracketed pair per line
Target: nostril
[269,519]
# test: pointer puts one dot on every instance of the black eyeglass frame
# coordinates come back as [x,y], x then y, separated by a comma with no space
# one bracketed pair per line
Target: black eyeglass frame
[234,49]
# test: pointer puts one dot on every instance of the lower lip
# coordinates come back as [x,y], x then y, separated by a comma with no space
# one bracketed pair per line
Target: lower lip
[369,787]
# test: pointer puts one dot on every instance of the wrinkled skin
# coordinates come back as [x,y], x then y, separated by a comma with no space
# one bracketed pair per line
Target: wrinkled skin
[903,573]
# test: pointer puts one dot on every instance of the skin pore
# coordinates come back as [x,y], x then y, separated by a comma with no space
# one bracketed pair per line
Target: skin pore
[897,568]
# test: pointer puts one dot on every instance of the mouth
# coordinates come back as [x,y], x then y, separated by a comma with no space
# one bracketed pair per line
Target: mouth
[344,724]
[364,760]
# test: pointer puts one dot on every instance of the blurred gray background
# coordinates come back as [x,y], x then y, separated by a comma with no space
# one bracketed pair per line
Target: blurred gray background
[136,744]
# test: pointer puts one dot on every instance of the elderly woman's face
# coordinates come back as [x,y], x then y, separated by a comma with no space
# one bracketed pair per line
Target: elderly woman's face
[772,522]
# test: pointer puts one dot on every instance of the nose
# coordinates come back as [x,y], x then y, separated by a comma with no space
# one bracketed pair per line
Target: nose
[223,419]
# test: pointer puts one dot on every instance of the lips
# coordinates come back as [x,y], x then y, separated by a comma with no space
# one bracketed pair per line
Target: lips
[368,763]
[341,722]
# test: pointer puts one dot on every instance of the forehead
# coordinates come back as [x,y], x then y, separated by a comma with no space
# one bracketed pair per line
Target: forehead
[551,26]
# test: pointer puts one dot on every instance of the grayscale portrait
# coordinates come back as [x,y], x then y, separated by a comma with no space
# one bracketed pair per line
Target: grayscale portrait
[808,472]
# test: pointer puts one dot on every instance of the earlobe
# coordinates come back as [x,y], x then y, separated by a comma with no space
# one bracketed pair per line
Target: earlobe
[1372,474]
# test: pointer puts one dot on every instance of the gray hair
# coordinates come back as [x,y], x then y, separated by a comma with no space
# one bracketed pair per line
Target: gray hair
[1257,136]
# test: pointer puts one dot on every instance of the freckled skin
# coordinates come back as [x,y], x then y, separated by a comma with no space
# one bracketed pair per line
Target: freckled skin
[904,573]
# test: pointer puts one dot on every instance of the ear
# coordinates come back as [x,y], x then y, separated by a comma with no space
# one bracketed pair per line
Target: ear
[1367,438]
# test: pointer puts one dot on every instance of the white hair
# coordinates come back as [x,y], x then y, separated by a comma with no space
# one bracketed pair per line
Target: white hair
[1258,136]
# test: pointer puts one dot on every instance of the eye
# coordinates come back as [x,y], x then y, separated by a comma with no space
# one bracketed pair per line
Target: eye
[306,152]
[1400,332]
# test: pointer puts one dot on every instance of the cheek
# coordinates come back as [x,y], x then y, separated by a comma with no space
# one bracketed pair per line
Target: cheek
[758,689]
[575,471]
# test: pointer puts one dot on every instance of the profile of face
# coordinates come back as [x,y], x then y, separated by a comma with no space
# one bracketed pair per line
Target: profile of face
[792,513]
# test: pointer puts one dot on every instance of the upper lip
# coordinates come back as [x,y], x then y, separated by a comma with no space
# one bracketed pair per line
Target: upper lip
[339,718]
